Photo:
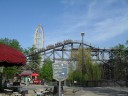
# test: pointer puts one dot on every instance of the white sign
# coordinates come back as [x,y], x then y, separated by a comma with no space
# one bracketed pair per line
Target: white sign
[60,71]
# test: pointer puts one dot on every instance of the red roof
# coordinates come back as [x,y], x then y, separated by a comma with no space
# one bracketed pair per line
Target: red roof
[34,74]
[10,56]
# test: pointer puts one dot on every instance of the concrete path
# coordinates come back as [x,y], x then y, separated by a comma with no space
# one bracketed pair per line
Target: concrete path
[104,91]
[99,91]
[86,91]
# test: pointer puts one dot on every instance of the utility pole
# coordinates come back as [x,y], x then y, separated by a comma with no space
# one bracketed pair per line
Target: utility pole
[83,65]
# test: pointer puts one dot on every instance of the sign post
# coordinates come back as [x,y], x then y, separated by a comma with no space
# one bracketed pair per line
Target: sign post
[60,72]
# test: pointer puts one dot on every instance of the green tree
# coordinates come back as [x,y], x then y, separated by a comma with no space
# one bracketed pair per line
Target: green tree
[46,72]
[92,70]
[34,60]
[9,72]
[11,42]
[119,62]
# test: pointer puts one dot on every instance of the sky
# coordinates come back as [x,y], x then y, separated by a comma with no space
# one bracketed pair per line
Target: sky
[104,22]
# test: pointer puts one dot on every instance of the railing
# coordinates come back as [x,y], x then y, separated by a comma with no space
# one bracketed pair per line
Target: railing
[99,83]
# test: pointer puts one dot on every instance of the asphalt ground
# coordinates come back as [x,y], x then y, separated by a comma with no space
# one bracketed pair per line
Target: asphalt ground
[83,91]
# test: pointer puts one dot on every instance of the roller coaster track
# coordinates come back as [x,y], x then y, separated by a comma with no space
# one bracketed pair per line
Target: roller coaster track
[62,51]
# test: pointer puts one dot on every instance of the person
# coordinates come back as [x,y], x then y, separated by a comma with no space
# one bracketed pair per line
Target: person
[55,90]
[15,79]
[29,80]
[42,81]
[5,83]
[26,81]
[8,83]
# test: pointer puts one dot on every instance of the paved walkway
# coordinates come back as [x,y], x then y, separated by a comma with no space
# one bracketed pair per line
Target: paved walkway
[103,91]
[86,91]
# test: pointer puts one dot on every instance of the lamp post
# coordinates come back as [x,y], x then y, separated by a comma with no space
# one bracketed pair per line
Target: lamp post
[83,65]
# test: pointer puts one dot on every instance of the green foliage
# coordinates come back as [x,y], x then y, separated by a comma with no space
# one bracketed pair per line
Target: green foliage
[46,71]
[93,71]
[13,43]
[9,72]
[120,69]
[70,76]
[34,60]
[77,75]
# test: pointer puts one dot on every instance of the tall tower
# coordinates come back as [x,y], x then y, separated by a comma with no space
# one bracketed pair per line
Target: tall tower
[39,37]
[39,41]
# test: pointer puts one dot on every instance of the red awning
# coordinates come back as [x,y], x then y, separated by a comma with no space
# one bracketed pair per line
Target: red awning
[11,57]
[34,74]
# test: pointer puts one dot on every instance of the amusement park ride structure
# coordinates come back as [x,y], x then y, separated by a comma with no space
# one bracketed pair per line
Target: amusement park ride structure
[62,51]
[39,41]
[39,38]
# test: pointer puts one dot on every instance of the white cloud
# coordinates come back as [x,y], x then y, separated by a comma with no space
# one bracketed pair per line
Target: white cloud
[110,28]
[101,21]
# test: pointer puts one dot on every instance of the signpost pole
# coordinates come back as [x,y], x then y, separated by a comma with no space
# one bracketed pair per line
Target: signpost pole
[59,88]
[60,73]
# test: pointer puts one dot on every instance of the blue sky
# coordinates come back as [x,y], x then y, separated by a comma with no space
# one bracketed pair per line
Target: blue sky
[105,22]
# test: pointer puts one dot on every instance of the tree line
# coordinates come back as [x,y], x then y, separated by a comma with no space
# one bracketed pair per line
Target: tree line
[93,70]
